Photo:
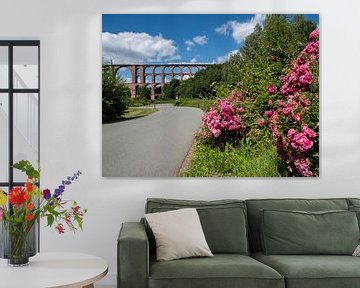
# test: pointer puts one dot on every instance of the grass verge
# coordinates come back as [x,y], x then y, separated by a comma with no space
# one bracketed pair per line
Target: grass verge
[248,160]
[134,112]
[203,104]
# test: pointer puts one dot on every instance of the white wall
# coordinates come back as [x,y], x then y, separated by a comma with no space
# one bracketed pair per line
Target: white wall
[70,34]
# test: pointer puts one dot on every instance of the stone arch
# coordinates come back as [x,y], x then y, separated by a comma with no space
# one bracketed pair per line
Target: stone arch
[168,78]
[149,69]
[186,70]
[168,70]
[124,73]
[158,89]
[158,79]
[148,78]
[157,69]
[194,69]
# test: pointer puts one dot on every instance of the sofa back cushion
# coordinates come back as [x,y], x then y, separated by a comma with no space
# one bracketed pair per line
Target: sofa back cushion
[223,221]
[298,232]
[354,205]
[255,206]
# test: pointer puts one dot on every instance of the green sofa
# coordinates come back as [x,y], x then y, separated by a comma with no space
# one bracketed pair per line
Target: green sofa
[235,234]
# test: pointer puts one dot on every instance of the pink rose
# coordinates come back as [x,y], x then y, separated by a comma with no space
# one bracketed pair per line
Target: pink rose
[303,167]
[271,89]
[301,142]
[291,133]
[314,35]
[269,113]
[308,131]
[240,110]
[261,122]
[297,117]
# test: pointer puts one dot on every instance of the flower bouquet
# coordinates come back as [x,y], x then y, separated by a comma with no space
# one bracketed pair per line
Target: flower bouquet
[21,208]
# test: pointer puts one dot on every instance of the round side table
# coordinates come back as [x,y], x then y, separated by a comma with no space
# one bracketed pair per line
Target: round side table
[50,270]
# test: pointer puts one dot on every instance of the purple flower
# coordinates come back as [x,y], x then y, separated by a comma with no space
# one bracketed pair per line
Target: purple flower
[64,183]
[46,194]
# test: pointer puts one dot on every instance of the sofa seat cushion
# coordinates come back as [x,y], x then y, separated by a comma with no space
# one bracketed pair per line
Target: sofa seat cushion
[314,271]
[222,270]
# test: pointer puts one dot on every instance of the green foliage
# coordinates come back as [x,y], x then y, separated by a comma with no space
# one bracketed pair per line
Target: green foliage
[115,95]
[143,92]
[265,54]
[136,102]
[259,160]
[169,91]
[222,90]
[26,167]
[201,85]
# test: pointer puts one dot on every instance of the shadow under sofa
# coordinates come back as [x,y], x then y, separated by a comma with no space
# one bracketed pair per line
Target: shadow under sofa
[232,229]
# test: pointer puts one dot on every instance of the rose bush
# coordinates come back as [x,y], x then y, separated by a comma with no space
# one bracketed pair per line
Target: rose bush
[224,122]
[293,118]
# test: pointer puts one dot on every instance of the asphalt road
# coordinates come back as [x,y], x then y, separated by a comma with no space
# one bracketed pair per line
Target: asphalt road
[151,146]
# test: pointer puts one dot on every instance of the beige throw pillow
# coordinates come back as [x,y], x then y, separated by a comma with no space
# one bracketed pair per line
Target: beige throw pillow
[357,251]
[178,234]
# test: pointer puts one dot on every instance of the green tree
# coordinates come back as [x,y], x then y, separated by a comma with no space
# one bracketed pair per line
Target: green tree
[115,95]
[265,54]
[143,92]
[202,84]
[169,91]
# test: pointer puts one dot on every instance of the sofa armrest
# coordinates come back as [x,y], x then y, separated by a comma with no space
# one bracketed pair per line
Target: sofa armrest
[133,256]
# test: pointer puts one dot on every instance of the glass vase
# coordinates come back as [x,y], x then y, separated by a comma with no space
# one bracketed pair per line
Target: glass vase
[18,242]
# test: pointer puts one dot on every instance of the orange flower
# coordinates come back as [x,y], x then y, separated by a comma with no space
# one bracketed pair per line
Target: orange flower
[29,206]
[27,196]
[29,186]
[29,217]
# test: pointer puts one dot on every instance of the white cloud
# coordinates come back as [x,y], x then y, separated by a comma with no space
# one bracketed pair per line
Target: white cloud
[194,60]
[224,58]
[189,44]
[200,40]
[240,30]
[129,47]
[196,40]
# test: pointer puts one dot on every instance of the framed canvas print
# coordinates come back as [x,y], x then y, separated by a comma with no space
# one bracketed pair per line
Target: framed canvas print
[210,95]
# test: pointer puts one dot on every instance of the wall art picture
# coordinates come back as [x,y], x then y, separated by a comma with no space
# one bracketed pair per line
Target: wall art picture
[210,95]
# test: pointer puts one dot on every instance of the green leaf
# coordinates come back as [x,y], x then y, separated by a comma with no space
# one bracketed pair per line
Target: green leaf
[50,219]
[26,167]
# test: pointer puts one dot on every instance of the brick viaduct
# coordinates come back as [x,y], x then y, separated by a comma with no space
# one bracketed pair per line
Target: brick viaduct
[155,76]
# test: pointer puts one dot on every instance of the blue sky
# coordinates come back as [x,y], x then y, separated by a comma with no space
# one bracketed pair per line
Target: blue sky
[172,38]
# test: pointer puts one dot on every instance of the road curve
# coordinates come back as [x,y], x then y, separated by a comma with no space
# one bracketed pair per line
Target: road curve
[151,146]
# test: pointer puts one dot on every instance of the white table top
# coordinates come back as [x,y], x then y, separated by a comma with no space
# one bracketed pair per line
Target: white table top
[45,270]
